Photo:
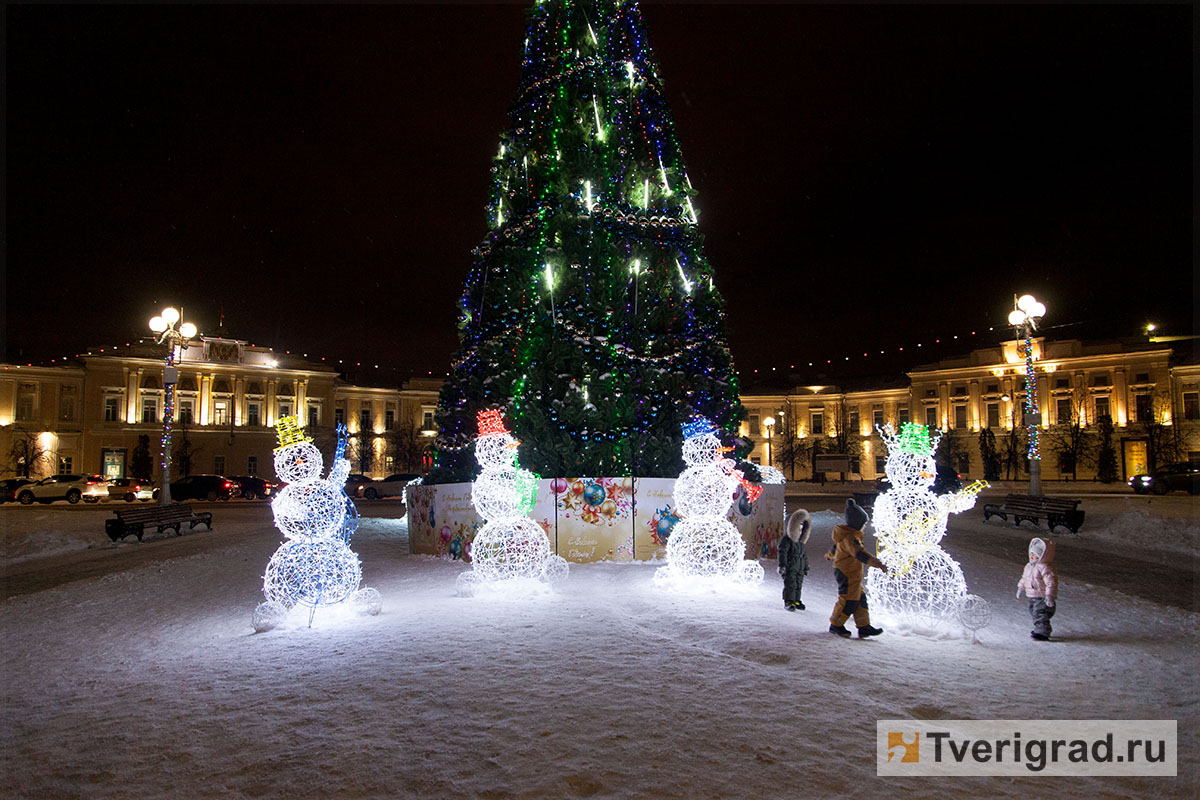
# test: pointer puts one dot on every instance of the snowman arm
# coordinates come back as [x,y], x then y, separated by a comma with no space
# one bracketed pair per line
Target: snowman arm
[339,470]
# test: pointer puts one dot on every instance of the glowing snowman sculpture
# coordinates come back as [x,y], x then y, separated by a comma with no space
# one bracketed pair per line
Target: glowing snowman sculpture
[315,567]
[704,545]
[923,583]
[510,545]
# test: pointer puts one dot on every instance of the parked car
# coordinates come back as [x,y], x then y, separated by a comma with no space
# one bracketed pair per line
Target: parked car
[252,487]
[9,487]
[72,488]
[391,486]
[203,487]
[945,481]
[130,489]
[1183,477]
[354,484]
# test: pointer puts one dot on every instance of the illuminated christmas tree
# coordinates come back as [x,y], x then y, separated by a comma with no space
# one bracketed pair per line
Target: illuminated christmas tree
[590,313]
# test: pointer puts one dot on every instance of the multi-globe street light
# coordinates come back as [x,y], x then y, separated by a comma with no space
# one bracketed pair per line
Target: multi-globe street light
[1024,317]
[175,339]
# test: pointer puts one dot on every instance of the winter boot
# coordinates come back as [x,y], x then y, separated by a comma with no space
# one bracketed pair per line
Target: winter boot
[790,606]
[799,606]
[840,630]
[1041,637]
[867,630]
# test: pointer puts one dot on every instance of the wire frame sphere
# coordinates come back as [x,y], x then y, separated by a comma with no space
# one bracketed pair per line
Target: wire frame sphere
[298,462]
[704,491]
[908,518]
[705,546]
[311,509]
[510,548]
[467,583]
[555,570]
[367,601]
[496,451]
[495,495]
[975,613]
[313,573]
[701,450]
[929,591]
[268,615]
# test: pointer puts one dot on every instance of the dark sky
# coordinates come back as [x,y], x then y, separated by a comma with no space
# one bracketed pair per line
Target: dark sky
[869,177]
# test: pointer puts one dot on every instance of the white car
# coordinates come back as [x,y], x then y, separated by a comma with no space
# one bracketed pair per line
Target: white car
[391,486]
[72,488]
[130,489]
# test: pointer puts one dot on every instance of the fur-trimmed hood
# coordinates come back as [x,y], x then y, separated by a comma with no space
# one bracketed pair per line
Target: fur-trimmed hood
[799,525]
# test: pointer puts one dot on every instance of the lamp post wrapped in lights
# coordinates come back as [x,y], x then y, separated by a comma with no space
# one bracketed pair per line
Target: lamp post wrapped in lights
[174,339]
[769,422]
[1024,317]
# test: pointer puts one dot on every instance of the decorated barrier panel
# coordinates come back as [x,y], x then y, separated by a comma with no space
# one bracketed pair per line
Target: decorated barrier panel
[588,519]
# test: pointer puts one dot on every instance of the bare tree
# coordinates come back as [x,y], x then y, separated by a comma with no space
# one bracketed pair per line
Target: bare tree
[27,455]
[1165,443]
[844,441]
[952,451]
[141,463]
[788,449]
[1070,439]
[184,452]
[407,447]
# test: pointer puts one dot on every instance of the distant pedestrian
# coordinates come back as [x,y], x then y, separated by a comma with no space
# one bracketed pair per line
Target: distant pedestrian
[793,561]
[1039,581]
[849,559]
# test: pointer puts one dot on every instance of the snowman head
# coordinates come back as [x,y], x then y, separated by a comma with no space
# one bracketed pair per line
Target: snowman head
[700,443]
[297,458]
[495,448]
[910,463]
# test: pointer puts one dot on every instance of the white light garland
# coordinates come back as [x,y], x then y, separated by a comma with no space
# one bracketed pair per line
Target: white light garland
[975,613]
[923,583]
[704,546]
[316,566]
[509,545]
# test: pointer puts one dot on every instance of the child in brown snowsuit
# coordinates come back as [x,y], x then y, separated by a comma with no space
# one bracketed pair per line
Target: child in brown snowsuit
[849,558]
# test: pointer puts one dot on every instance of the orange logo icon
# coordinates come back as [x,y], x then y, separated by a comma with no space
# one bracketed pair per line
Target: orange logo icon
[912,750]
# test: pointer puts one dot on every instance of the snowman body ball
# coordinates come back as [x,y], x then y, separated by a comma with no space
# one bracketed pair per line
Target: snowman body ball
[509,545]
[704,544]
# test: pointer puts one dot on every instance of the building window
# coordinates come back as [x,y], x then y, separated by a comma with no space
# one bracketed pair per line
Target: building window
[252,465]
[960,391]
[253,415]
[112,409]
[960,416]
[752,423]
[931,417]
[817,422]
[220,412]
[389,419]
[1062,383]
[1141,377]
[1101,380]
[219,465]
[364,420]
[427,421]
[149,409]
[285,408]
[1062,410]
[66,404]
[1142,403]
[339,416]
[1191,405]
[855,465]
[65,464]
[880,465]
[389,464]
[25,407]
[902,414]
[1102,408]
[992,388]
[314,415]
[993,415]
[854,428]
[187,411]
[877,417]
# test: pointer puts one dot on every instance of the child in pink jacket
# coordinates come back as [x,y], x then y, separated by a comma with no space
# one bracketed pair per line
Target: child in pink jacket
[1040,584]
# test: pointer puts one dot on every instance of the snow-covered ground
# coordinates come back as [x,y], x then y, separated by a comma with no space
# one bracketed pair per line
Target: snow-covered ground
[132,670]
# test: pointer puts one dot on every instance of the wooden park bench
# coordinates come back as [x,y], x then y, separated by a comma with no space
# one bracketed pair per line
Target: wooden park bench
[136,520]
[1055,510]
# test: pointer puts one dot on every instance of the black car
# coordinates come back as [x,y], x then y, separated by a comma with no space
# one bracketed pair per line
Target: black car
[945,481]
[1184,477]
[252,487]
[203,487]
[8,488]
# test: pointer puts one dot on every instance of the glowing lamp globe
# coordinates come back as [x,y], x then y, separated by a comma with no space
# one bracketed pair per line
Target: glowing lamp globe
[158,324]
[170,315]
[188,330]
[1016,317]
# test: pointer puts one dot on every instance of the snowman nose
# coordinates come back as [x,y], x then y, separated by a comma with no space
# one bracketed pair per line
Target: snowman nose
[513,444]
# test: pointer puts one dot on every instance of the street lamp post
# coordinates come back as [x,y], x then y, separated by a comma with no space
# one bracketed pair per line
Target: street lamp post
[770,423]
[174,339]
[1024,317]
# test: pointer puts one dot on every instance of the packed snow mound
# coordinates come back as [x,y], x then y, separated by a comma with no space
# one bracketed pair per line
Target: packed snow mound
[1138,528]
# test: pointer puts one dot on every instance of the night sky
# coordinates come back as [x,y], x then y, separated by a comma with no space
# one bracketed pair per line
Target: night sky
[869,177]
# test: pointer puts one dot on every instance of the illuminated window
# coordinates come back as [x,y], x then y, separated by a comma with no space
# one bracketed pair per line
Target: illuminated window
[254,414]
[817,423]
[220,412]
[112,409]
[187,411]
[64,465]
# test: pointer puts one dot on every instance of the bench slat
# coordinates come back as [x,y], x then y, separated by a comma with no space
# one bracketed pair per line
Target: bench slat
[135,520]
